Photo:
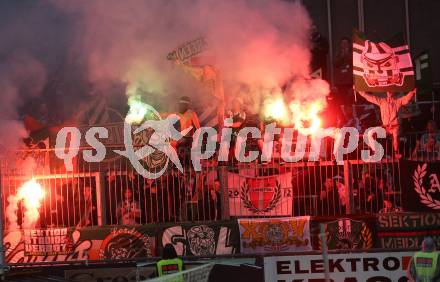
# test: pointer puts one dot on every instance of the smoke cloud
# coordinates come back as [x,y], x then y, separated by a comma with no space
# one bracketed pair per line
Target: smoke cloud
[21,77]
[255,44]
[258,46]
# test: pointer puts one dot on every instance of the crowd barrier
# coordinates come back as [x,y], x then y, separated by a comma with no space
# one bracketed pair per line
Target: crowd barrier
[103,211]
[238,237]
[111,192]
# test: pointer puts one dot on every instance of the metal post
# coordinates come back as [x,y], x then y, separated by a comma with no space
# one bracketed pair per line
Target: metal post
[223,177]
[408,38]
[330,40]
[348,183]
[324,252]
[2,250]
[101,196]
[361,18]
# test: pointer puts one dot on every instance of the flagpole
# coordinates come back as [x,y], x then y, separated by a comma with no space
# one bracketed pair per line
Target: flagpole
[408,39]
[361,22]
[2,249]
[361,27]
[323,238]
[330,39]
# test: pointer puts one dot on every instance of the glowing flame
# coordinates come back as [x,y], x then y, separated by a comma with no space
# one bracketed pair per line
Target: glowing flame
[31,192]
[306,116]
[140,111]
[303,115]
[137,112]
[275,108]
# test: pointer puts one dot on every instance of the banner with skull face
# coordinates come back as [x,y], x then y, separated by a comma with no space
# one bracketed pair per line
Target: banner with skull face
[381,66]
[344,233]
[203,239]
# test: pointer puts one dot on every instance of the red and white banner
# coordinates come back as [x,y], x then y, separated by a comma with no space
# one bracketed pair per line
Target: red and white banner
[270,235]
[361,267]
[262,196]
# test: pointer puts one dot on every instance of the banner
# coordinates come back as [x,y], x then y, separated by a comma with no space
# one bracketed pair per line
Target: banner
[188,50]
[275,235]
[73,244]
[262,196]
[345,234]
[195,59]
[382,66]
[353,267]
[423,72]
[422,189]
[42,242]
[316,74]
[203,239]
[407,230]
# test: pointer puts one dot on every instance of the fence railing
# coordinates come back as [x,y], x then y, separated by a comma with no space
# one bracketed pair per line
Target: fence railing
[111,192]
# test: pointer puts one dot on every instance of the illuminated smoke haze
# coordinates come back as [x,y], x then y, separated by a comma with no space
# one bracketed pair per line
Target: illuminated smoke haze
[258,46]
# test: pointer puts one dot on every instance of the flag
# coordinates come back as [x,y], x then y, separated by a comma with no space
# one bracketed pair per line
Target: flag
[96,111]
[260,196]
[194,58]
[382,66]
[316,74]
[423,72]
[188,50]
[207,115]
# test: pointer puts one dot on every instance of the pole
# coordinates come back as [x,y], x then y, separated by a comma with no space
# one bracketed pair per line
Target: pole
[408,39]
[361,18]
[348,183]
[324,252]
[2,250]
[330,39]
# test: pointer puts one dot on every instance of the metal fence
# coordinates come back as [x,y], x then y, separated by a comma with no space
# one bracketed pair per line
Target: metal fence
[112,193]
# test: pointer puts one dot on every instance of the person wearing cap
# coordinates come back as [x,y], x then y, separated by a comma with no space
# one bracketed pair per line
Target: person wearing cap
[424,265]
[389,107]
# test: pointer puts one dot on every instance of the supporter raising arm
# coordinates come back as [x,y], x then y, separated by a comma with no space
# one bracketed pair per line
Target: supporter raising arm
[389,107]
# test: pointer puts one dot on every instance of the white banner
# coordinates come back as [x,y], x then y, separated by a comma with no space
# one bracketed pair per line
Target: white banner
[265,196]
[354,267]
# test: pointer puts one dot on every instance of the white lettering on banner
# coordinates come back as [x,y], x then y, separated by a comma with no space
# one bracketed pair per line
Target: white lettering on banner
[354,267]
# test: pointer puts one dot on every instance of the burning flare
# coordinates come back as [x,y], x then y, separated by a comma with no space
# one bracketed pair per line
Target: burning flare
[31,192]
[275,108]
[306,116]
[139,111]
[307,100]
